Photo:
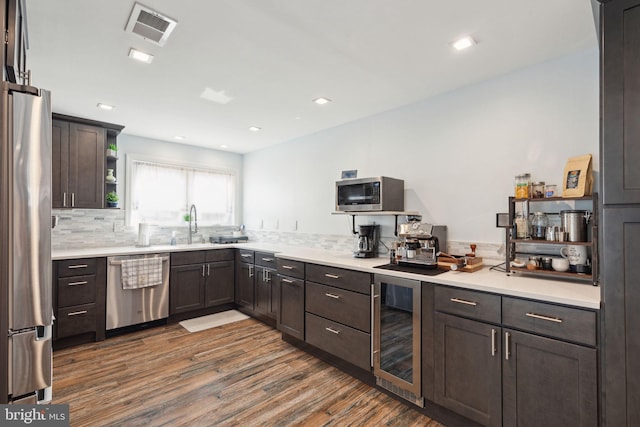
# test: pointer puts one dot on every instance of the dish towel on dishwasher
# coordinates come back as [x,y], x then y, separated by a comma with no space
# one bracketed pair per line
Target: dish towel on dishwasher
[141,272]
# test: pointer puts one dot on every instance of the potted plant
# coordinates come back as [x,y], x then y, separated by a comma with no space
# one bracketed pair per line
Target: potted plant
[112,199]
[112,150]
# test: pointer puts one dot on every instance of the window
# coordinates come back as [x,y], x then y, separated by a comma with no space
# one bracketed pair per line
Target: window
[161,194]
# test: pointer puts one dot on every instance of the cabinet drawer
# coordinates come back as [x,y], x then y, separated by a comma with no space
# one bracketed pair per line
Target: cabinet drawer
[265,259]
[357,281]
[186,258]
[76,320]
[571,324]
[351,308]
[245,255]
[347,343]
[77,267]
[287,267]
[76,290]
[472,304]
[219,255]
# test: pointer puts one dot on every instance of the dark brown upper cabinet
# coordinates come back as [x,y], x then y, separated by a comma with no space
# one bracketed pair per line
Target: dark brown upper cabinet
[78,161]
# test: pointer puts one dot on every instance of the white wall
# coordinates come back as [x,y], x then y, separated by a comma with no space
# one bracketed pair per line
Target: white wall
[458,153]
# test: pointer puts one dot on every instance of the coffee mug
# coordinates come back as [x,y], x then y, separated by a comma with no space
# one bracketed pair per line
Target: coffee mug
[575,254]
[560,264]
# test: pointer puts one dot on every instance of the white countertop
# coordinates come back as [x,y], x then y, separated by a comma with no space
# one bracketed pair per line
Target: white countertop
[558,291]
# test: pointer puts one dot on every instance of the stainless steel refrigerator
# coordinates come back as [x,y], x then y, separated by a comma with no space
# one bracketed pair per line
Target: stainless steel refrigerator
[26,312]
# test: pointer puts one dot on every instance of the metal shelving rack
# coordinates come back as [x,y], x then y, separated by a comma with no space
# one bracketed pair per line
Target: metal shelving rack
[593,243]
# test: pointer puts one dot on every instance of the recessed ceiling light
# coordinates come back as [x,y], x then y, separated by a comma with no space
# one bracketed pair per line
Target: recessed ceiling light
[255,129]
[224,146]
[463,43]
[179,137]
[322,101]
[105,106]
[140,56]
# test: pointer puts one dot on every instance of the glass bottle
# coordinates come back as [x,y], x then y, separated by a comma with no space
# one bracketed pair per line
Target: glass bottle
[539,224]
[522,226]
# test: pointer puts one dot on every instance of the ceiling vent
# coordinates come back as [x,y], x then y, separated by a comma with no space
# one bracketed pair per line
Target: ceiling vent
[149,24]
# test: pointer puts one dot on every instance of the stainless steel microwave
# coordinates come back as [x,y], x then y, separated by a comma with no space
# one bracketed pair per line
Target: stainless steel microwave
[379,193]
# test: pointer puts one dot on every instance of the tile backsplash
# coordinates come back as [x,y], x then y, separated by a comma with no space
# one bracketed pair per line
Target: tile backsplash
[91,228]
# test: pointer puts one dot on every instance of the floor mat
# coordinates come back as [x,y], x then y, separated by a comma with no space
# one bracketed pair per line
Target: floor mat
[212,320]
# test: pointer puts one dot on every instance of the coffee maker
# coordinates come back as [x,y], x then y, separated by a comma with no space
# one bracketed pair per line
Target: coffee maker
[366,241]
[421,243]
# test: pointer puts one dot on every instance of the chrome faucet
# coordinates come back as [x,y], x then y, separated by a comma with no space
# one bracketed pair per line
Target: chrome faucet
[193,216]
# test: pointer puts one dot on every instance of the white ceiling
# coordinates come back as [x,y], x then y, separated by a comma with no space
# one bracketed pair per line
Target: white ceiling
[273,57]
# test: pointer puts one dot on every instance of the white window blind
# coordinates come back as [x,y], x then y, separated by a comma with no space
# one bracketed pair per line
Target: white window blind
[161,194]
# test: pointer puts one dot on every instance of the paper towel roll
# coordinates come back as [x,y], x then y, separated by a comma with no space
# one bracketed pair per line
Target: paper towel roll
[143,234]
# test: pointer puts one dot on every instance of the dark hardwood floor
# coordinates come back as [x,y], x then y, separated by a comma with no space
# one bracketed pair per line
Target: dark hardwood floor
[236,374]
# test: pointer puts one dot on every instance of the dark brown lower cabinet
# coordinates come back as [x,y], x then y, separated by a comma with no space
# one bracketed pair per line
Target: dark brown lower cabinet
[547,382]
[347,343]
[506,361]
[468,368]
[187,288]
[219,284]
[79,300]
[266,294]
[290,316]
[497,376]
[201,279]
[245,285]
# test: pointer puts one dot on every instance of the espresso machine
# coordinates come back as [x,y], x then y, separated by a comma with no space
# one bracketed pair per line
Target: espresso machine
[420,244]
[366,241]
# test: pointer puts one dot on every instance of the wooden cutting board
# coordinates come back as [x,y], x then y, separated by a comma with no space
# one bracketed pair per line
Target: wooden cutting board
[475,265]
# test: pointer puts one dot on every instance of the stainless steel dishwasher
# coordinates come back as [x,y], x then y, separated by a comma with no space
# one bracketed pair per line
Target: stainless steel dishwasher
[127,307]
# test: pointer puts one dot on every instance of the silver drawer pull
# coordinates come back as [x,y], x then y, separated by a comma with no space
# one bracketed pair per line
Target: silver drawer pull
[541,317]
[331,276]
[288,267]
[462,301]
[84,282]
[77,313]
[334,296]
[333,331]
[507,335]
[287,280]
[493,342]
[78,266]
[267,259]
[245,255]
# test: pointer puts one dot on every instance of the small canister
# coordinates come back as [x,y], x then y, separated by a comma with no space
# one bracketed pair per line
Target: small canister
[537,190]
[546,263]
[551,233]
[574,223]
[522,186]
[550,190]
